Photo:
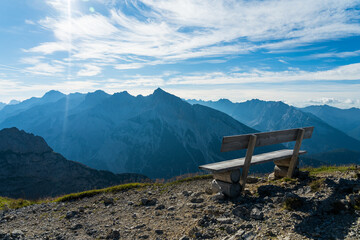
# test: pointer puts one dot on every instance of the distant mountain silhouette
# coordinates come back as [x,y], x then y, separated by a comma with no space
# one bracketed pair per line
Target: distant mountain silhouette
[12,109]
[269,116]
[2,105]
[158,135]
[347,120]
[30,169]
[13,102]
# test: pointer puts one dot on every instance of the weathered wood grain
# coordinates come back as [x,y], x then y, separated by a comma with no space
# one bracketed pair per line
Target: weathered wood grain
[229,189]
[283,162]
[294,158]
[247,161]
[280,172]
[256,159]
[238,142]
[232,176]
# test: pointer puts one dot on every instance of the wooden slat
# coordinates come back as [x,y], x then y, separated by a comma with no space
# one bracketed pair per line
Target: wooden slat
[238,142]
[256,159]
[294,158]
[247,161]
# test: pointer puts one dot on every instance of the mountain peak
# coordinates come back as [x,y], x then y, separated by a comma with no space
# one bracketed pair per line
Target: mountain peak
[98,94]
[126,93]
[159,91]
[163,96]
[224,100]
[13,102]
[18,141]
[53,93]
[96,97]
[122,96]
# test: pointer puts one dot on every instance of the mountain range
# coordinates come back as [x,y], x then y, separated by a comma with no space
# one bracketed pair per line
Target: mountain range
[160,135]
[30,169]
[346,120]
[270,116]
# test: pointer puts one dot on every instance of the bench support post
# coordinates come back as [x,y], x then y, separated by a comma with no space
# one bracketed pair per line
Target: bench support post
[232,176]
[294,158]
[247,162]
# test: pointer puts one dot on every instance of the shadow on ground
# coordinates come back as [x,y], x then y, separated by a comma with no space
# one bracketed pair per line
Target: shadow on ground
[328,217]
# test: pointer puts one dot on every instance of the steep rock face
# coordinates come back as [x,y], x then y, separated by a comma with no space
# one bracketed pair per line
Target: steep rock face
[20,142]
[270,116]
[30,169]
[159,135]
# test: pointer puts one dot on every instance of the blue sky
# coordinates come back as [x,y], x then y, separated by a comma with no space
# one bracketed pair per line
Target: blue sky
[301,52]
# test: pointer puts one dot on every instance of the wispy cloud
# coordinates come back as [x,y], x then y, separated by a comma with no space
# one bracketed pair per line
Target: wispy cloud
[334,101]
[30,22]
[346,72]
[89,70]
[283,61]
[48,69]
[170,31]
[335,55]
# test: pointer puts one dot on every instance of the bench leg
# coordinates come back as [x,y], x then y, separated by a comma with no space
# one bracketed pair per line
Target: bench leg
[295,156]
[232,176]
[281,168]
[227,182]
[229,189]
[247,163]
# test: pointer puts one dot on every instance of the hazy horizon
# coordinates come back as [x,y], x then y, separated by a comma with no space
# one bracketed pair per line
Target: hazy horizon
[15,101]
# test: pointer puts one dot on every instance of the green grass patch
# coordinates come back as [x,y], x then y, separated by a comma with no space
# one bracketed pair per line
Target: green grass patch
[317,184]
[90,193]
[189,179]
[328,169]
[9,203]
[284,179]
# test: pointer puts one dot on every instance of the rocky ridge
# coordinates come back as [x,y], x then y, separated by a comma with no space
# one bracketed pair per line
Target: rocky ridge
[30,169]
[325,205]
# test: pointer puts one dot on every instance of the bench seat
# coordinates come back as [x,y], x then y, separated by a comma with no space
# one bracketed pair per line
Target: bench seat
[256,159]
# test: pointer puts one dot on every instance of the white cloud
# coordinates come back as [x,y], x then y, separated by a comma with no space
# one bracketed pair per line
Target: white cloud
[324,101]
[349,101]
[346,72]
[335,55]
[338,102]
[45,69]
[129,66]
[30,22]
[283,61]
[168,31]
[89,71]
[131,82]
[49,47]
[31,60]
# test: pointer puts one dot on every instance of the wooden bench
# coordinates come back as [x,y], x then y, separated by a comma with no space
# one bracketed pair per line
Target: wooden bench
[227,173]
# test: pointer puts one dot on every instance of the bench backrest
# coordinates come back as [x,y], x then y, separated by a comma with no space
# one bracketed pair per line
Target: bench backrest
[238,142]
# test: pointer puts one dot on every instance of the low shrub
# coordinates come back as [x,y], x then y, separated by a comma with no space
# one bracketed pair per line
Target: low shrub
[317,184]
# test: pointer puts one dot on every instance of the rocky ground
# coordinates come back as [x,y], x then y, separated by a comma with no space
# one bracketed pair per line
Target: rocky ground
[325,206]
